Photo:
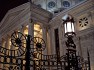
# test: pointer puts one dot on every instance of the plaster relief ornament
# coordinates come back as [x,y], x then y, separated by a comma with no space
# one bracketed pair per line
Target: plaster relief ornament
[83,22]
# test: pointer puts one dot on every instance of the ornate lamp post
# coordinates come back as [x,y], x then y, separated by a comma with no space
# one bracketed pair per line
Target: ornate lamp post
[72,63]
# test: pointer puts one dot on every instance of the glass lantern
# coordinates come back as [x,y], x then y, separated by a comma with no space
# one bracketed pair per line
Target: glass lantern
[68,23]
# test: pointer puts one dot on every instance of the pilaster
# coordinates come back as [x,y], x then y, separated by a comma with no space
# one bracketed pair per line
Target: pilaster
[31,33]
[7,42]
[48,41]
[22,29]
[44,30]
[31,28]
[87,42]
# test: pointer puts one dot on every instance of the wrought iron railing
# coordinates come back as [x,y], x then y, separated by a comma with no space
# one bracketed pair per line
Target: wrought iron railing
[31,58]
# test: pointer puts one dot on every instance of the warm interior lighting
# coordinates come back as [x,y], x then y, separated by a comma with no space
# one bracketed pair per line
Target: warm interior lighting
[26,26]
[35,33]
[41,31]
[37,30]
[26,30]
[3,43]
[37,27]
[9,43]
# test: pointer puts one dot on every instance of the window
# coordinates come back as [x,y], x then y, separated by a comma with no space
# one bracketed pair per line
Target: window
[51,4]
[57,42]
[37,31]
[65,4]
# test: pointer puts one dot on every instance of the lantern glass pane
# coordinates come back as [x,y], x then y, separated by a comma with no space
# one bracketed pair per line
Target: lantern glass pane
[65,28]
[72,27]
[69,27]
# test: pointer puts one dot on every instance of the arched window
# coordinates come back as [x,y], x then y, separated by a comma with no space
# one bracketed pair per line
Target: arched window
[37,30]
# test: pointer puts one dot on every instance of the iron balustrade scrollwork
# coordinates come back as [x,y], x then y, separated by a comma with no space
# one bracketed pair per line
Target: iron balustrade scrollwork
[28,54]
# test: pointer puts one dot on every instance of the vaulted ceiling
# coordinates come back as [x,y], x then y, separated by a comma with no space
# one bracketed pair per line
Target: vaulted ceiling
[6,5]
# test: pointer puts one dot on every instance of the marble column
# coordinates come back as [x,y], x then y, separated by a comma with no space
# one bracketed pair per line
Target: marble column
[7,42]
[2,60]
[44,35]
[31,28]
[3,42]
[62,48]
[22,29]
[7,46]
[31,32]
[48,41]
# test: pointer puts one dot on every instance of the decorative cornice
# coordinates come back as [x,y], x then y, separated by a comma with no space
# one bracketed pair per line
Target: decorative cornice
[37,14]
[40,14]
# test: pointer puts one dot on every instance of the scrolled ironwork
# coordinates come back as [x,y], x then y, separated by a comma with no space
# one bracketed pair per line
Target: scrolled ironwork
[34,58]
[17,68]
[38,43]
[19,41]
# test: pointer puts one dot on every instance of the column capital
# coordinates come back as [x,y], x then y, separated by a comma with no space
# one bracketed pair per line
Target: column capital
[32,21]
[45,26]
